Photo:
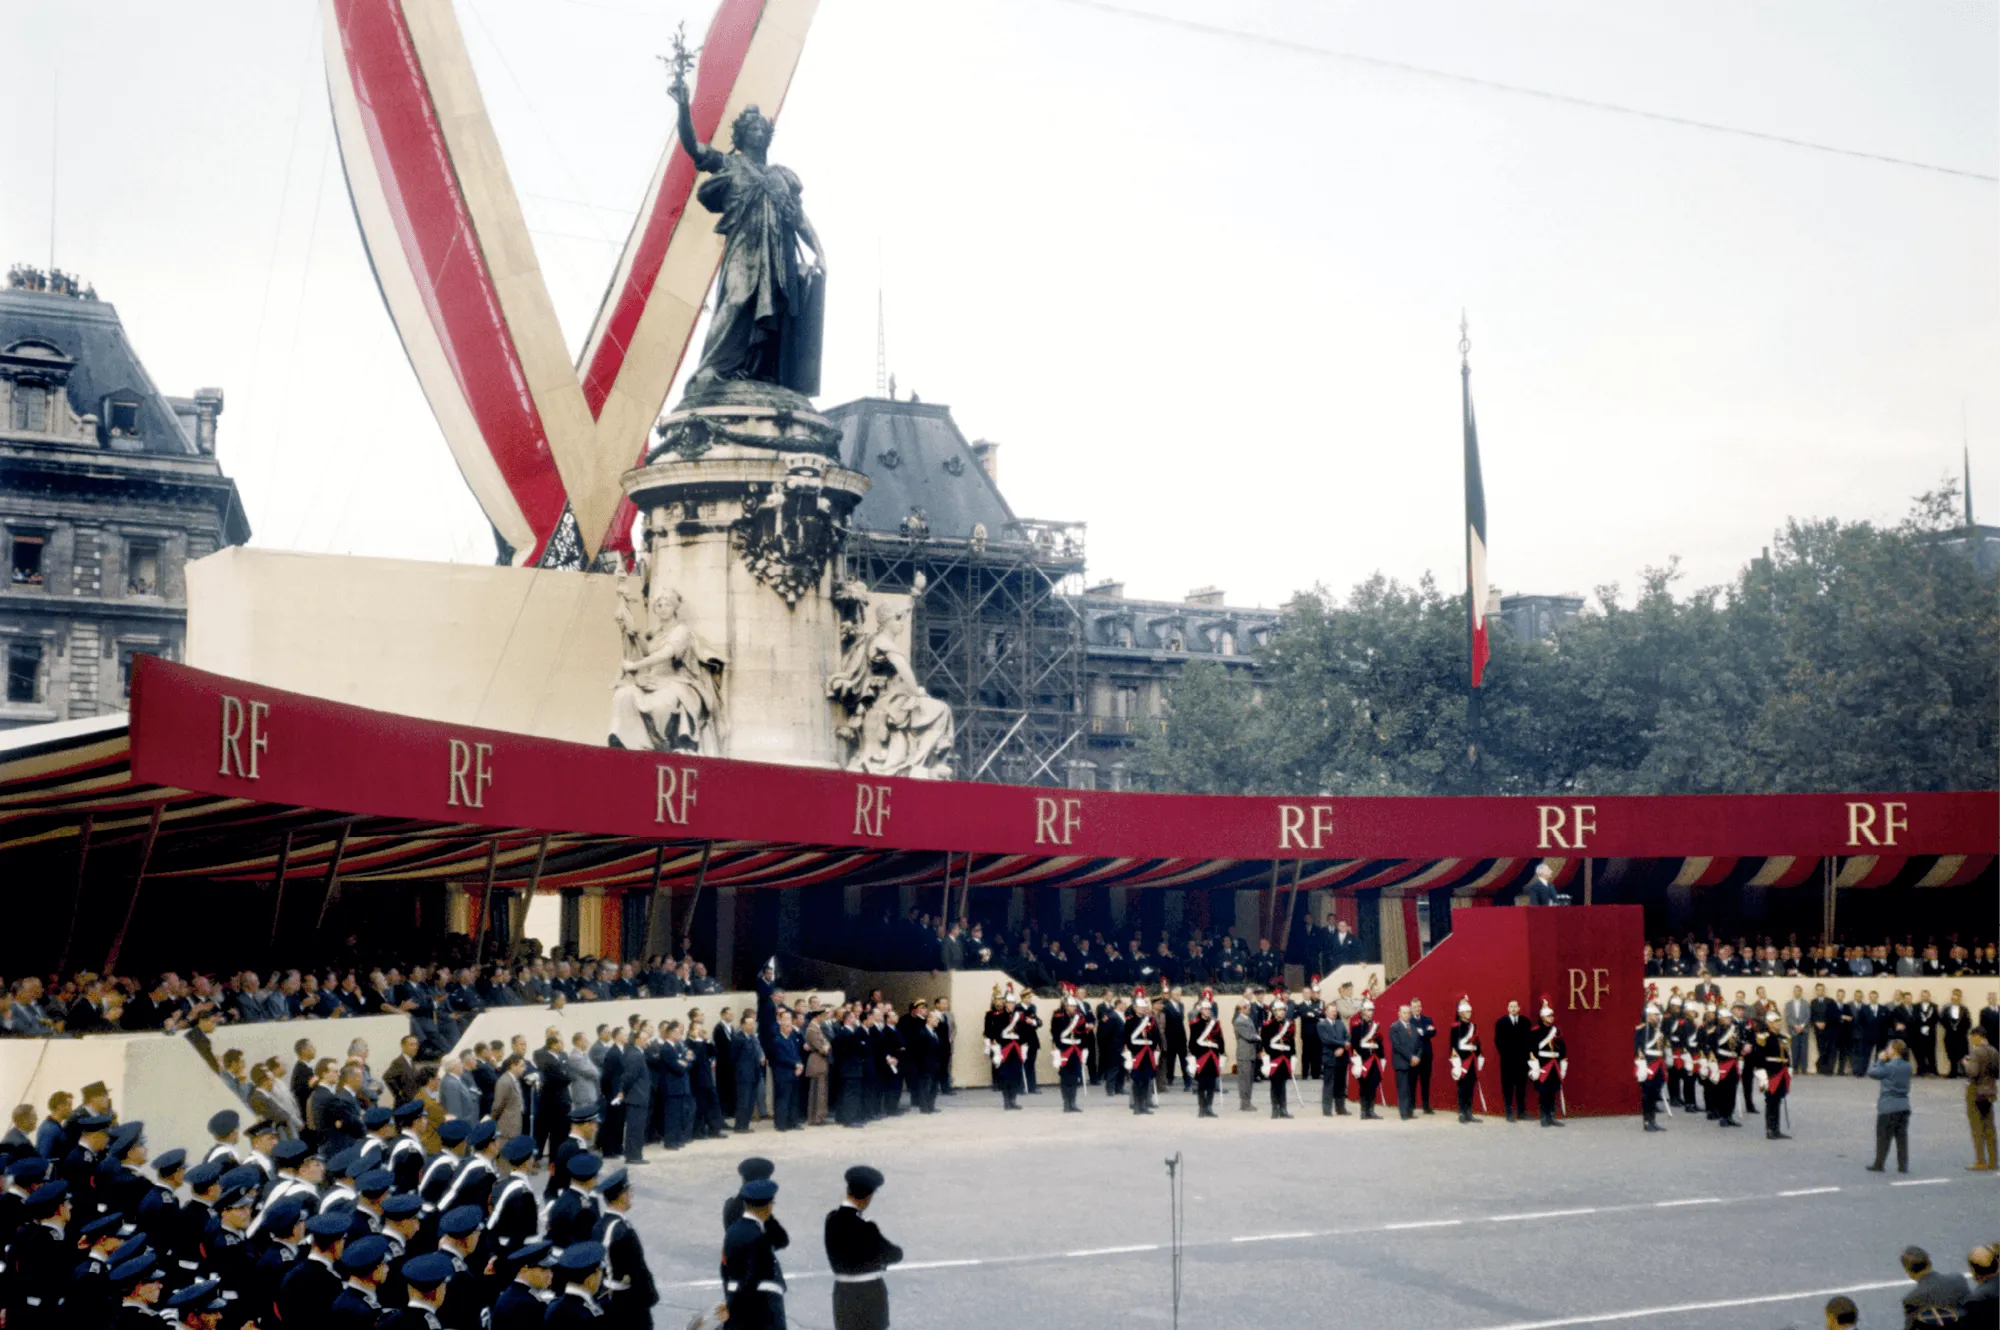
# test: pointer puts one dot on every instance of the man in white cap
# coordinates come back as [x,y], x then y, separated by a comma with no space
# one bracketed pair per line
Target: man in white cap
[1069,1034]
[1466,1059]
[1650,1055]
[1550,1058]
[1205,1044]
[1365,1065]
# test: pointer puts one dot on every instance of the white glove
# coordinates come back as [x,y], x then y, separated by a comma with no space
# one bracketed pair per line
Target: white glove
[1639,1067]
[1481,1065]
[1457,1072]
[1534,1068]
[1565,1068]
[1761,1079]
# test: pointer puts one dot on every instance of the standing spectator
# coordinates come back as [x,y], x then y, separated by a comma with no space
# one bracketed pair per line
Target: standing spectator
[266,1104]
[552,1102]
[302,1071]
[1403,1053]
[456,1090]
[1800,1018]
[583,1073]
[1892,1106]
[746,1065]
[1981,1067]
[819,1062]
[509,1102]
[402,1076]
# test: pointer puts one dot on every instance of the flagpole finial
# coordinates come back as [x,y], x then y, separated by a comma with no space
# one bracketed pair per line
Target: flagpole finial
[1464,341]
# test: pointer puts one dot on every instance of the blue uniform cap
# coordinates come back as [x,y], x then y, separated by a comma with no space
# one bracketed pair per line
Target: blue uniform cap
[343,1164]
[460,1220]
[583,1113]
[402,1205]
[755,1168]
[374,1181]
[759,1191]
[128,1250]
[539,1252]
[363,1254]
[223,1123]
[583,1166]
[519,1150]
[863,1181]
[243,1175]
[290,1152]
[453,1131]
[46,1199]
[31,1169]
[613,1184]
[203,1297]
[240,1198]
[377,1116]
[283,1217]
[87,1122]
[483,1133]
[124,1137]
[203,1176]
[428,1271]
[262,1127]
[101,1225]
[409,1112]
[135,1271]
[580,1258]
[330,1223]
[169,1161]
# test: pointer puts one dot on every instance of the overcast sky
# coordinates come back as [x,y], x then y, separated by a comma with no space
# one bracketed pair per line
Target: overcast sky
[1204,289]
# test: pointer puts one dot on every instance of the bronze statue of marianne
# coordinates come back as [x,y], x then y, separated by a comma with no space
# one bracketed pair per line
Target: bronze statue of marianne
[768,300]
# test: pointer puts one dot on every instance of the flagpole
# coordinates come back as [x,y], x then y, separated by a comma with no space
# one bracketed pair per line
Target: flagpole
[1472,699]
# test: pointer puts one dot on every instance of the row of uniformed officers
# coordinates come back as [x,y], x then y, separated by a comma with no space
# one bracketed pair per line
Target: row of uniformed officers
[1695,1048]
[383,1235]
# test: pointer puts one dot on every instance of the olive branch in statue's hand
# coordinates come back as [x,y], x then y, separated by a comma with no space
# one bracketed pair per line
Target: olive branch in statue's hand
[679,63]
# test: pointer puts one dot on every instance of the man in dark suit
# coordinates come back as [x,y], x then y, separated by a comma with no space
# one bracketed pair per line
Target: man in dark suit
[746,1067]
[1824,1013]
[611,1075]
[850,1069]
[1542,890]
[860,1256]
[788,1064]
[1420,1069]
[1867,1025]
[1404,1050]
[1510,1042]
[401,1076]
[635,1084]
[552,1104]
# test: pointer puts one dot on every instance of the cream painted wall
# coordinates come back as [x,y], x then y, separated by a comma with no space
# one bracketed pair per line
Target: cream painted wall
[156,1079]
[533,1022]
[528,650]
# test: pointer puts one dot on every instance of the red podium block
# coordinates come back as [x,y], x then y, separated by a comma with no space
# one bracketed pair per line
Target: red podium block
[1586,960]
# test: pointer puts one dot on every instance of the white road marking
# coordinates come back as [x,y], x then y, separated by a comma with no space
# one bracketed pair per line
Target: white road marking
[1422,1223]
[1114,1251]
[1692,1200]
[1542,1214]
[1603,1318]
[939,1265]
[1921,1182]
[1275,1237]
[1810,1191]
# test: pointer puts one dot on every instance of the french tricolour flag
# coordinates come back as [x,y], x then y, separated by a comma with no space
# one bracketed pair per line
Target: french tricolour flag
[1475,536]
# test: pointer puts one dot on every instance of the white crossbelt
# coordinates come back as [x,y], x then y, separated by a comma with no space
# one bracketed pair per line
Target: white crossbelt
[875,1278]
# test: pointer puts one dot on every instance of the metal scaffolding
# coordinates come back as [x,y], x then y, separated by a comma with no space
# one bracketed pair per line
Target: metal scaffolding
[993,634]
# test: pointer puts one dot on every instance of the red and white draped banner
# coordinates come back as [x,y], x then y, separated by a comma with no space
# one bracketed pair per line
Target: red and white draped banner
[535,435]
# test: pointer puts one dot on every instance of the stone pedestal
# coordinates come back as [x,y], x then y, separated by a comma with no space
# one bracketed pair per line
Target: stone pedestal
[745,506]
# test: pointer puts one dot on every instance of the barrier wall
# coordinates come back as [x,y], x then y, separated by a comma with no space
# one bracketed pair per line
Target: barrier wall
[157,1079]
[275,1039]
[534,1022]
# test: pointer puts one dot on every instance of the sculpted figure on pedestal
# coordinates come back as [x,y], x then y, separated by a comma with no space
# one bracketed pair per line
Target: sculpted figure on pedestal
[893,727]
[766,324]
[669,695]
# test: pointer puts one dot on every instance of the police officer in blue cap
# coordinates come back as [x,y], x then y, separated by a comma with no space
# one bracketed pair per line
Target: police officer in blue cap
[223,1127]
[523,1303]
[364,1264]
[139,1285]
[306,1293]
[859,1256]
[630,1292]
[515,1216]
[753,1283]
[578,1278]
[425,1279]
[199,1306]
[40,1260]
[574,1215]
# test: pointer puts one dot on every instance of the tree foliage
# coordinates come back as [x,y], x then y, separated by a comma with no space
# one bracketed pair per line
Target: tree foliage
[1850,657]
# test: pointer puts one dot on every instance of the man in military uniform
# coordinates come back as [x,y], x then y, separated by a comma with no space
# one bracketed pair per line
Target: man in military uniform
[1142,1052]
[1205,1042]
[859,1256]
[1009,1050]
[628,1281]
[1466,1059]
[1651,1053]
[1550,1058]
[523,1304]
[1771,1061]
[753,1282]
[1681,1030]
[579,1277]
[1069,1035]
[1365,1063]
[1279,1044]
[424,1279]
[1725,1055]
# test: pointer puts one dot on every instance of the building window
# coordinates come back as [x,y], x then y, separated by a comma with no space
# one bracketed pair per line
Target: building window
[142,568]
[24,672]
[122,418]
[25,565]
[126,655]
[31,408]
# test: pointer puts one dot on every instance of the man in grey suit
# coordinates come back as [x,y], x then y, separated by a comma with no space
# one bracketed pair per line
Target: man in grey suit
[583,1074]
[1244,1026]
[1403,1057]
[509,1103]
[457,1092]
[1798,1021]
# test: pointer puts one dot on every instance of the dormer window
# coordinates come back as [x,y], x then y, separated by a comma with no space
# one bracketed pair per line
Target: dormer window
[142,568]
[121,418]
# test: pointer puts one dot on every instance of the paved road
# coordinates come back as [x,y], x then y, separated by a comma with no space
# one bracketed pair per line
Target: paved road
[1036,1219]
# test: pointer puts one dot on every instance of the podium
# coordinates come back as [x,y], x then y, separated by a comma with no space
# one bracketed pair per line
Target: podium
[1588,961]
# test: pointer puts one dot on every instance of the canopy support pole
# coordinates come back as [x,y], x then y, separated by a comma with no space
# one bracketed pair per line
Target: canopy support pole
[278,886]
[694,903]
[76,900]
[517,924]
[333,874]
[660,911]
[138,881]
[486,902]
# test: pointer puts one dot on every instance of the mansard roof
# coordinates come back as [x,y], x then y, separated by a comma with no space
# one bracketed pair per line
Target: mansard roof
[89,333]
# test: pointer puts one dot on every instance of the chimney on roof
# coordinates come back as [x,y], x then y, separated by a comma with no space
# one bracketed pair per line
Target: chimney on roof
[1207,597]
[207,407]
[988,454]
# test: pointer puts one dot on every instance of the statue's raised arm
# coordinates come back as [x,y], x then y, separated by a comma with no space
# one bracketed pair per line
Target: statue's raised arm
[682,60]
